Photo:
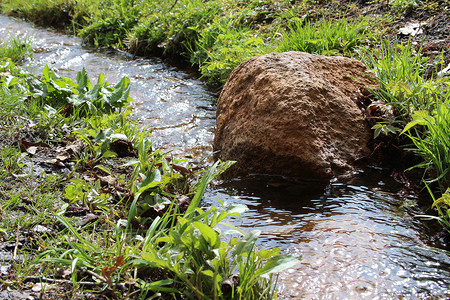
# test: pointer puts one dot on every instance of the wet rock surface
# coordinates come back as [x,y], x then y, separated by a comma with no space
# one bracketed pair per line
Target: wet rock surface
[293,114]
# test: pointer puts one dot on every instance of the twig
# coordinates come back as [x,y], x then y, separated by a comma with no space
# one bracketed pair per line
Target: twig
[36,279]
[17,242]
[96,275]
[173,5]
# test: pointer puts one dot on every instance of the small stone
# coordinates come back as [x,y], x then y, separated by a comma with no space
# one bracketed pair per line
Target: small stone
[40,229]
[413,28]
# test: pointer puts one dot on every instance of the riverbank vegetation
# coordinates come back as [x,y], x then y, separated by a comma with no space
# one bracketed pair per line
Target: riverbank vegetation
[90,207]
[404,43]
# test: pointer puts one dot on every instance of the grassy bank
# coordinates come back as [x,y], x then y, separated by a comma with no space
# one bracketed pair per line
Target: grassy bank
[90,207]
[217,35]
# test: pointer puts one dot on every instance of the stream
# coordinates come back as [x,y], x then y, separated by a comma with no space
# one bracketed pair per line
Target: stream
[358,240]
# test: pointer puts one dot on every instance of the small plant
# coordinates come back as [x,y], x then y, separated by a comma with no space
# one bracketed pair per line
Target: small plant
[88,194]
[399,69]
[404,4]
[222,46]
[442,205]
[62,93]
[433,142]
[205,263]
[10,160]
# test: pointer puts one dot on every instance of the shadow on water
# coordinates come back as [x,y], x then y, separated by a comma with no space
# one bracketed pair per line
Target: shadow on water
[357,239]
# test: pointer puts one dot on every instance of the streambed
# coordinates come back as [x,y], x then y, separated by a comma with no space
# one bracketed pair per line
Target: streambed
[358,240]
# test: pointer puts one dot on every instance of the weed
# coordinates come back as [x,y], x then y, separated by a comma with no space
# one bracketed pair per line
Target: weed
[203,259]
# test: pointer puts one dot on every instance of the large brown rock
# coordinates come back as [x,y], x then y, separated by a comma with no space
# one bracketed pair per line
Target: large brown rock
[292,114]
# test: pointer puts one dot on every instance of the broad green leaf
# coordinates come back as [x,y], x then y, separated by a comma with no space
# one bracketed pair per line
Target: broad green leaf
[412,124]
[109,154]
[208,234]
[236,209]
[277,264]
[208,273]
[268,253]
[151,181]
[247,245]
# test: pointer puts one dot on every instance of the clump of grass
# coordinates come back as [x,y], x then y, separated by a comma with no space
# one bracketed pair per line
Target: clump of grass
[400,70]
[325,37]
[222,46]
[58,13]
[432,141]
[16,49]
[422,109]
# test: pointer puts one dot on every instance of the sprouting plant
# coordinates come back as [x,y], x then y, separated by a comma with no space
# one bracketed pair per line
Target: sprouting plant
[10,160]
[89,194]
[86,99]
[399,69]
[222,46]
[404,4]
[326,37]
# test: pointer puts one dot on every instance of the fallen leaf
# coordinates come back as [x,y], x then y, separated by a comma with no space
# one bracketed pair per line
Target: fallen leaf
[25,145]
[183,171]
[107,271]
[51,161]
[32,150]
[107,180]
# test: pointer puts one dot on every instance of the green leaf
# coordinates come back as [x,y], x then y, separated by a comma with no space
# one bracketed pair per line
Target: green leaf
[217,169]
[159,286]
[83,81]
[236,209]
[246,246]
[208,273]
[207,233]
[151,181]
[419,118]
[277,264]
[268,253]
[109,154]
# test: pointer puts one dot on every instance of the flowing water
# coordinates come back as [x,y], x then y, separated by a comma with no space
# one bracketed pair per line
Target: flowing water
[357,240]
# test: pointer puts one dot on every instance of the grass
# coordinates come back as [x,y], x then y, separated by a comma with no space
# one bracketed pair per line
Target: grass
[16,49]
[117,218]
[215,35]
[421,107]
[327,36]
